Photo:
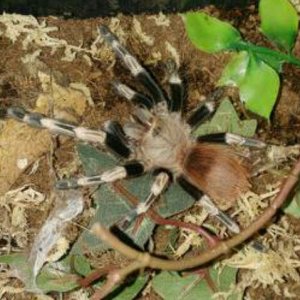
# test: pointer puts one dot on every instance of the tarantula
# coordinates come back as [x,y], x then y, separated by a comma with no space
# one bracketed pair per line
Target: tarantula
[157,137]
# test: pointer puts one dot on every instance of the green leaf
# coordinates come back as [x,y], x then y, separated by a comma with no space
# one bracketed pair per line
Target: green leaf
[293,207]
[170,285]
[50,278]
[259,89]
[279,22]
[226,120]
[235,71]
[257,81]
[111,206]
[131,291]
[15,259]
[271,60]
[210,34]
[80,264]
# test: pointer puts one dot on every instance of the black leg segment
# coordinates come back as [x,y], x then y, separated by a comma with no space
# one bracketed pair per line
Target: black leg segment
[137,98]
[231,139]
[201,114]
[114,138]
[133,65]
[134,169]
[176,87]
[206,109]
[189,188]
[177,93]
[113,142]
[130,169]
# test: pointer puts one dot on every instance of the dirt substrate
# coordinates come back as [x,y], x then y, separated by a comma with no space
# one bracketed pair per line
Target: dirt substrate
[45,83]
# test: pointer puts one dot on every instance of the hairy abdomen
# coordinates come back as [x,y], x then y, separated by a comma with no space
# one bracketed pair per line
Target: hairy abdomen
[218,172]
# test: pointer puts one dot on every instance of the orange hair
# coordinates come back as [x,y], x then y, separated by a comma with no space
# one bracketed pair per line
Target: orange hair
[217,171]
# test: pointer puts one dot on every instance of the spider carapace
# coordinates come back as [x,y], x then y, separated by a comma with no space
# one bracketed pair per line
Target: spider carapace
[157,137]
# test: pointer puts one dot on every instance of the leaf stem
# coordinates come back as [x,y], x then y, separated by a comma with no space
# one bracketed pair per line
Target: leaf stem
[247,46]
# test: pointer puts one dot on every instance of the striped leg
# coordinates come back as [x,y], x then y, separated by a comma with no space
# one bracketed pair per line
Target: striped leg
[208,205]
[133,65]
[205,109]
[108,139]
[135,97]
[231,139]
[160,183]
[176,86]
[131,169]
[115,128]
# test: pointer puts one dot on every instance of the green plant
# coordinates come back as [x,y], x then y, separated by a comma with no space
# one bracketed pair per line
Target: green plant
[253,69]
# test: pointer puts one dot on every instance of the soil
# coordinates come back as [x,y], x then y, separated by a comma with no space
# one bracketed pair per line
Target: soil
[53,157]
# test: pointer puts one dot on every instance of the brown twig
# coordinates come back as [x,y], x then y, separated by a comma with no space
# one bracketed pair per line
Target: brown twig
[117,276]
[212,253]
[95,275]
[143,259]
[211,240]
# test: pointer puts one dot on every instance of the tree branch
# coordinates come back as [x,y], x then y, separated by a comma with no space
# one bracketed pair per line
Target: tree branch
[117,276]
[212,253]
